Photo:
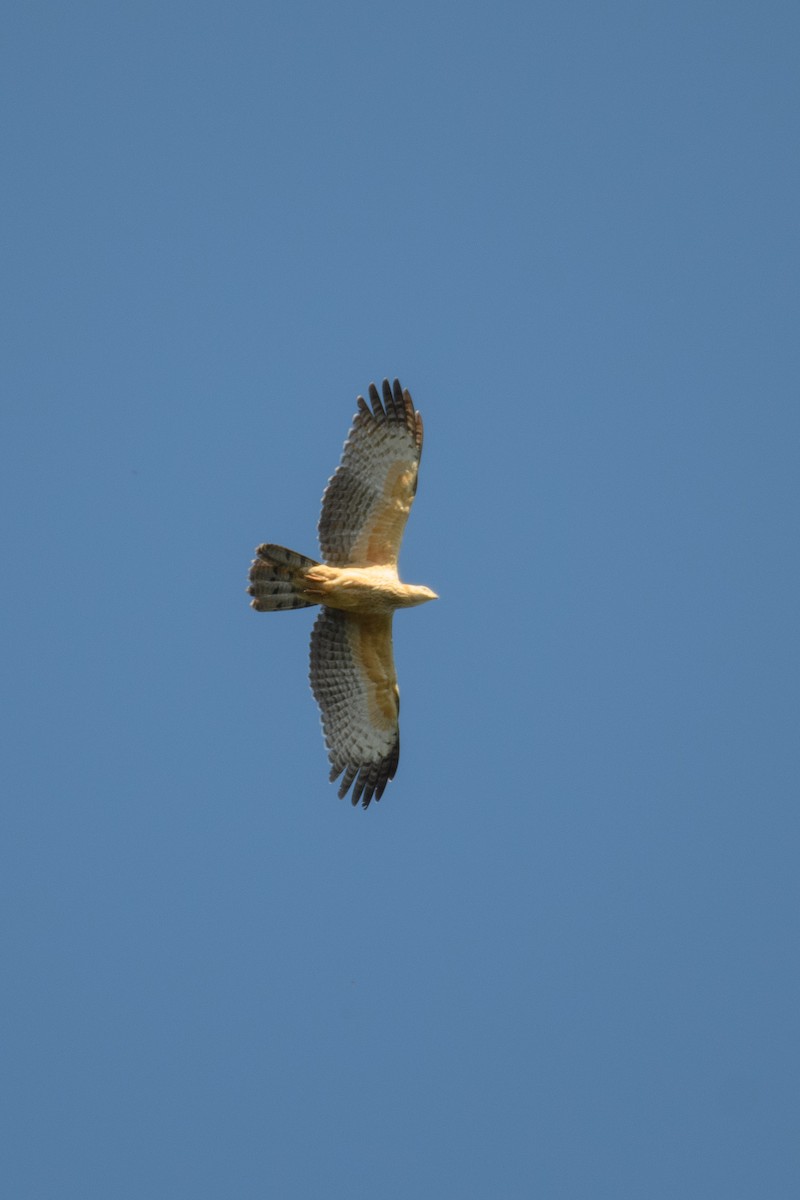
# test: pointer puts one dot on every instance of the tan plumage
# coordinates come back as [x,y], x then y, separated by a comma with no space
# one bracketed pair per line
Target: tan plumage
[364,512]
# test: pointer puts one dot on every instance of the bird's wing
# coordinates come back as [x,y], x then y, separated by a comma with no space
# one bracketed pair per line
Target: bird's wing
[354,682]
[366,503]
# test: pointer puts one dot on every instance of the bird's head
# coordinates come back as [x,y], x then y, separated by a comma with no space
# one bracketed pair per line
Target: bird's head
[419,594]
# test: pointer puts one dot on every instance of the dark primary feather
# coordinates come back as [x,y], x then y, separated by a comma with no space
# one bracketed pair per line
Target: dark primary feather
[387,435]
[367,756]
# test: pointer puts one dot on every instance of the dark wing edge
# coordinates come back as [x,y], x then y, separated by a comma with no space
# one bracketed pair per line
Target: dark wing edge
[369,780]
[347,490]
[338,688]
[396,408]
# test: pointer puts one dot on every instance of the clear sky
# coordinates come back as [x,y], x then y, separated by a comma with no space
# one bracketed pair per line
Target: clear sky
[560,958]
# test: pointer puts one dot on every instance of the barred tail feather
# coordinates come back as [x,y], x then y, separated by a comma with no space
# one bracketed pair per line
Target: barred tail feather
[277,579]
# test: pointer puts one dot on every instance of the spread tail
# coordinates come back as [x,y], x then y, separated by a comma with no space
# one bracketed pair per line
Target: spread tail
[277,579]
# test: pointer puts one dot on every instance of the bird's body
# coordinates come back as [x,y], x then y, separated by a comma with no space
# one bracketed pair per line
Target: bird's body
[364,511]
[363,589]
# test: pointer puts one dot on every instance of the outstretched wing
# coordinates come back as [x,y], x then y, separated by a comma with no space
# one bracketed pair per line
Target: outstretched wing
[354,682]
[366,503]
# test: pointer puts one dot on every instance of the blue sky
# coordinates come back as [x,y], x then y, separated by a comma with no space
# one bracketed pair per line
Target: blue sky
[560,958]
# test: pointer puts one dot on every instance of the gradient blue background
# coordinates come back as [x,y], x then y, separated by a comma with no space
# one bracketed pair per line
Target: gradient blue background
[560,958]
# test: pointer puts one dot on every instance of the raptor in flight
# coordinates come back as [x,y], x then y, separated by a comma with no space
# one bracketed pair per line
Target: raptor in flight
[364,512]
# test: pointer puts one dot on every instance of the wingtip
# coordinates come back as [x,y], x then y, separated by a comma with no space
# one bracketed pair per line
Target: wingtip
[375,401]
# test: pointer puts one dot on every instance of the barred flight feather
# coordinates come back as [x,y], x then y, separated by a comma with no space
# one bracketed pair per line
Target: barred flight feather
[368,499]
[353,679]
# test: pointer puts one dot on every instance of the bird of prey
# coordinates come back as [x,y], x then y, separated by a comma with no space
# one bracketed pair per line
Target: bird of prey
[364,512]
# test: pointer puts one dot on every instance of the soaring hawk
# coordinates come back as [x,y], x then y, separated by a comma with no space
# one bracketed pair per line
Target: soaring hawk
[364,512]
